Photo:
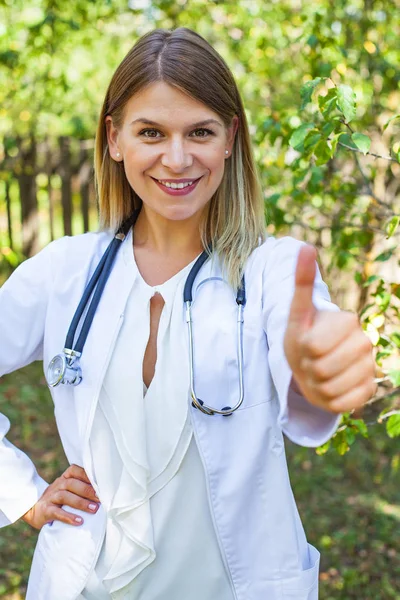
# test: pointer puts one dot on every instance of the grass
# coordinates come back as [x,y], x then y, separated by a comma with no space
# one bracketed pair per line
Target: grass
[350,505]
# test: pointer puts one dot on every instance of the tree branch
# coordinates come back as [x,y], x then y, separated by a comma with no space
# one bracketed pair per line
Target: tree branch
[365,153]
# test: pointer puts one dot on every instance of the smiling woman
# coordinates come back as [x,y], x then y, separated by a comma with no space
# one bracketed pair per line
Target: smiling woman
[196,132]
[172,157]
[172,402]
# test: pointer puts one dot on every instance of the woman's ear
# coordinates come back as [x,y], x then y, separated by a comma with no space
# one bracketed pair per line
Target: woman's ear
[112,139]
[231,132]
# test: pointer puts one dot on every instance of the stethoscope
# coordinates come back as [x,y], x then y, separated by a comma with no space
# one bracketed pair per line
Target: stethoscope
[65,368]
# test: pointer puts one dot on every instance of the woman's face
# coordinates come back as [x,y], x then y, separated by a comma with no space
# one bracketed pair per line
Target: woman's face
[174,144]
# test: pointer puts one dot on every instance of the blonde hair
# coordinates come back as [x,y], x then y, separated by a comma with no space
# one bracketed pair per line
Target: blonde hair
[235,221]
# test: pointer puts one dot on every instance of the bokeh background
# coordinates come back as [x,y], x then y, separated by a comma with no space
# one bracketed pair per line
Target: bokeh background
[321,85]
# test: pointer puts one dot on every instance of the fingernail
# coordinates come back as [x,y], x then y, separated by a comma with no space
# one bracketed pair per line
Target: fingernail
[78,519]
[92,506]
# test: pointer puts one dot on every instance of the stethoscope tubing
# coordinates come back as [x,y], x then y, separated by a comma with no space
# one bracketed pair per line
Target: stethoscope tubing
[95,287]
[98,281]
[197,403]
[83,304]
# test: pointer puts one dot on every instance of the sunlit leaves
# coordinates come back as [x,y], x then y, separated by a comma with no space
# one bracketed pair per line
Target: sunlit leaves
[298,136]
[393,425]
[362,142]
[392,226]
[307,91]
[346,435]
[346,102]
[386,255]
[335,141]
[322,152]
[328,102]
[394,376]
[390,121]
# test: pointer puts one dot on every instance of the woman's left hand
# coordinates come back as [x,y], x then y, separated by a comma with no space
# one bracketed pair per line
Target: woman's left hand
[330,355]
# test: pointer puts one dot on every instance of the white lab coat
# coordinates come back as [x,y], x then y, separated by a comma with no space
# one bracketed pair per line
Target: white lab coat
[257,525]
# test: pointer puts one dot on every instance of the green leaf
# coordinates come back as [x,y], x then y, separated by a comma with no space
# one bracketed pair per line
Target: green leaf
[340,442]
[328,128]
[324,448]
[395,337]
[307,91]
[346,102]
[312,41]
[371,279]
[298,136]
[312,138]
[385,255]
[392,226]
[350,435]
[328,102]
[383,300]
[330,95]
[334,142]
[273,200]
[390,120]
[362,142]
[394,376]
[393,426]
[322,152]
[360,426]
[358,278]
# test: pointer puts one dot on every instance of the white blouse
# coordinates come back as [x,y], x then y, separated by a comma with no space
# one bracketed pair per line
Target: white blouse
[160,540]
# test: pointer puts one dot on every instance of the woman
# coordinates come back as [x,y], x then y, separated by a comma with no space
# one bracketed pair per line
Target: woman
[163,498]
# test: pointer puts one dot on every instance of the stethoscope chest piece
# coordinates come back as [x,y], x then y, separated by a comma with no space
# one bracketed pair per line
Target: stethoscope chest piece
[64,368]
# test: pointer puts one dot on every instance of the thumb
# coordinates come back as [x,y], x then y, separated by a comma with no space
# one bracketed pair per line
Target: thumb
[302,310]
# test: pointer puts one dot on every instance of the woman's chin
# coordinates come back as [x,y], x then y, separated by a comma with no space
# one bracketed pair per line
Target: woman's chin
[178,212]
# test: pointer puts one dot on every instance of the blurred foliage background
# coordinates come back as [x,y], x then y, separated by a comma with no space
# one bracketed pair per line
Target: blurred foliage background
[321,86]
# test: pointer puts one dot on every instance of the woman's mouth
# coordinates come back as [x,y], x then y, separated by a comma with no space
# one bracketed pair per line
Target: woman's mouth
[180,191]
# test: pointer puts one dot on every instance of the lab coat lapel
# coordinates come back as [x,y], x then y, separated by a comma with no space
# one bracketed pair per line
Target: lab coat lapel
[99,346]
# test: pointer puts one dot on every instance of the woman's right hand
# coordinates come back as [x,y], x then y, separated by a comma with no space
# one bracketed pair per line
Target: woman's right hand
[74,489]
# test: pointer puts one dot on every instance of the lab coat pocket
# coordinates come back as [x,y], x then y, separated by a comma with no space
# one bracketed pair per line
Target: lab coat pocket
[64,557]
[305,585]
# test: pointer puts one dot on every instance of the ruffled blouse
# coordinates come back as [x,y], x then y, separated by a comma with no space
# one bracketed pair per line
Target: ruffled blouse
[139,439]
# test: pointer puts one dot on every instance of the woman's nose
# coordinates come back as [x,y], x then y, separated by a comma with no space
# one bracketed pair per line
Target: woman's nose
[176,156]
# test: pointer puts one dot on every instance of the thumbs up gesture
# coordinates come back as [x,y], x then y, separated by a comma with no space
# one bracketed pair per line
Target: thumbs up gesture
[330,356]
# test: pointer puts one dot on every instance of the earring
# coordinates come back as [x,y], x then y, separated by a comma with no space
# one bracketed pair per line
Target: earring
[118,155]
[226,151]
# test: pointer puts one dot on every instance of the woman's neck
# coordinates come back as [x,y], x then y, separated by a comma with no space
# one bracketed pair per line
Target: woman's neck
[165,237]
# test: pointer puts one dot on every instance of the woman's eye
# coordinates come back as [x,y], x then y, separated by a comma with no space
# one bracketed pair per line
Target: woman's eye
[152,131]
[208,132]
[146,131]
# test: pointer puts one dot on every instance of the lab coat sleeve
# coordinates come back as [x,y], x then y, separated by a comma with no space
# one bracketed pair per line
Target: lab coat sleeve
[23,305]
[302,422]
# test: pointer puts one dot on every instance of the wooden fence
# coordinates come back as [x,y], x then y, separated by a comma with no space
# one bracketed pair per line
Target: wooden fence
[52,178]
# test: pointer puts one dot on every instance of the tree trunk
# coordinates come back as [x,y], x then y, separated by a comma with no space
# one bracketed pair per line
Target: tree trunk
[84,180]
[50,191]
[8,201]
[66,184]
[9,222]
[28,198]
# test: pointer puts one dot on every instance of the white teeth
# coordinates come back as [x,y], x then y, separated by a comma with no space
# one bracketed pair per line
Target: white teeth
[176,186]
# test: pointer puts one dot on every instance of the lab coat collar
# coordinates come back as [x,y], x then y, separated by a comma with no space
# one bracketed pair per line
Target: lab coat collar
[104,332]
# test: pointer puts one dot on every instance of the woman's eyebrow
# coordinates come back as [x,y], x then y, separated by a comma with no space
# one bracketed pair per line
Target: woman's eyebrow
[198,124]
